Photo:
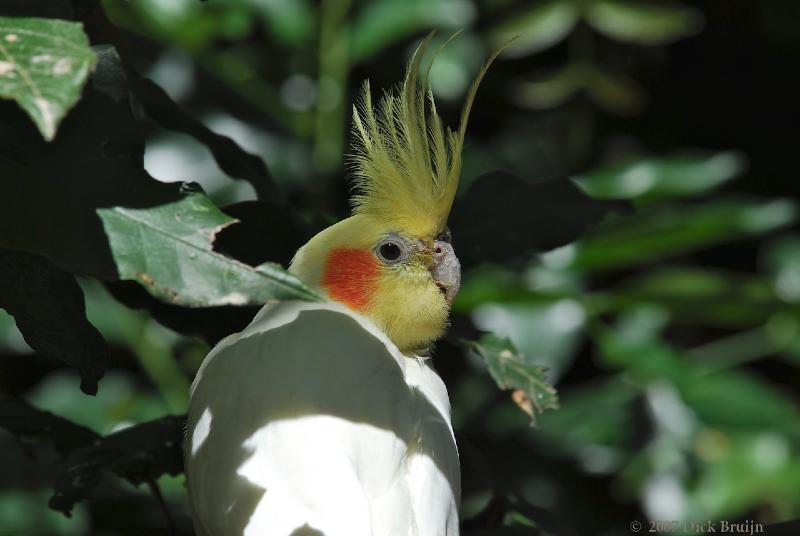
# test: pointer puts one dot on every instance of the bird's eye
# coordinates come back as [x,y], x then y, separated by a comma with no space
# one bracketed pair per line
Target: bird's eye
[390,250]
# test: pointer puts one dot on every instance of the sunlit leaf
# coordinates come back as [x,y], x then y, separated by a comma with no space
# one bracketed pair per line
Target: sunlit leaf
[168,249]
[512,371]
[643,22]
[541,25]
[44,64]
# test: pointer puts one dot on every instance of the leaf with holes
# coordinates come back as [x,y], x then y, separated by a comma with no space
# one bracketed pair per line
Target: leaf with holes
[168,249]
[44,64]
[512,370]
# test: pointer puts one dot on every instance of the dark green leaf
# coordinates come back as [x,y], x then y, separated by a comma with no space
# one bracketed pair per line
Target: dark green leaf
[138,454]
[28,424]
[512,370]
[232,159]
[501,217]
[53,189]
[48,307]
[44,64]
[168,249]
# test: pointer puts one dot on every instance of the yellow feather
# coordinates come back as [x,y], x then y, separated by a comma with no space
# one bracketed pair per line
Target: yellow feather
[406,165]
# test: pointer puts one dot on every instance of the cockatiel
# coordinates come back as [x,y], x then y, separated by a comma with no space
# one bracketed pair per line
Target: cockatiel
[326,418]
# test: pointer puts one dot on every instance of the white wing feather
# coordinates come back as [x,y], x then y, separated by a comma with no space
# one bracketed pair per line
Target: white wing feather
[311,422]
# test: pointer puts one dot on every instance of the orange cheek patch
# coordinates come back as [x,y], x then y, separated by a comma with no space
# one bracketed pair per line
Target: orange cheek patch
[351,276]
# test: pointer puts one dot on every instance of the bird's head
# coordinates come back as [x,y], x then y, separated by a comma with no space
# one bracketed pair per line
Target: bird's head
[393,260]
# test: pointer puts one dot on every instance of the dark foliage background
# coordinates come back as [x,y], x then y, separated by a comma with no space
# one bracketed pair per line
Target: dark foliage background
[628,221]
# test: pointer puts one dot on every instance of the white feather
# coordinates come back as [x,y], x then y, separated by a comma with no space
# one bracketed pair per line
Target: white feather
[309,422]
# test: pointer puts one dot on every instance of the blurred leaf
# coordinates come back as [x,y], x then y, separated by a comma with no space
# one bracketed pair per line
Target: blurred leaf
[671,176]
[738,401]
[291,22]
[593,415]
[44,64]
[168,249]
[616,93]
[748,471]
[501,217]
[696,295]
[138,454]
[96,161]
[542,25]
[512,370]
[28,423]
[552,90]
[381,23]
[666,231]
[49,310]
[782,259]
[643,23]
[232,159]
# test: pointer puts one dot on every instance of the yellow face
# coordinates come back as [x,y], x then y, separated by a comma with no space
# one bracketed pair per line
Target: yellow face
[403,283]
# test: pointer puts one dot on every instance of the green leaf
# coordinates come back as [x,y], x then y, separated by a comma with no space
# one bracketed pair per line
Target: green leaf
[782,259]
[734,400]
[97,161]
[168,249]
[511,370]
[44,64]
[48,307]
[590,415]
[543,25]
[659,233]
[678,175]
[138,454]
[552,90]
[695,295]
[642,22]
[615,93]
[381,23]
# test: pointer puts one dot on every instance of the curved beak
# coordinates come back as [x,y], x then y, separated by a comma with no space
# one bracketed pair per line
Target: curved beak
[446,270]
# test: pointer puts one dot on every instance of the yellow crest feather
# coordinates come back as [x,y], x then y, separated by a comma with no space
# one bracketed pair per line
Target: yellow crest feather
[406,166]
